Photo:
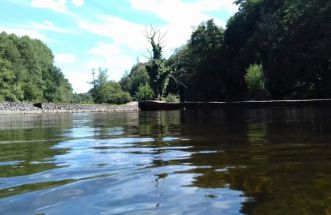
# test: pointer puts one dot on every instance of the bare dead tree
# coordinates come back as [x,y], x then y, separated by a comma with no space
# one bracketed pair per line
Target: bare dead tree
[155,37]
[156,68]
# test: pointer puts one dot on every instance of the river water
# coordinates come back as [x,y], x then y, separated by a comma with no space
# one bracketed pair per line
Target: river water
[254,161]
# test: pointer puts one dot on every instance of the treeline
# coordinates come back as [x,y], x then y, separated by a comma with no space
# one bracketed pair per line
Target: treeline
[27,72]
[269,50]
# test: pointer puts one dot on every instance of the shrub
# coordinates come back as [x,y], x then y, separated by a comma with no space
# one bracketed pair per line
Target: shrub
[82,98]
[171,98]
[120,98]
[144,92]
[254,77]
[111,92]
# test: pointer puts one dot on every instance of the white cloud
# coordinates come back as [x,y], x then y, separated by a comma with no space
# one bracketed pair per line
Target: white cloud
[103,55]
[180,12]
[55,5]
[181,16]
[34,30]
[77,3]
[24,31]
[49,26]
[178,15]
[121,31]
[128,41]
[80,81]
[59,6]
[111,57]
[127,37]
[65,58]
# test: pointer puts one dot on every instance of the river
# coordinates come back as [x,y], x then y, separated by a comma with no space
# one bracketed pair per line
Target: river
[236,161]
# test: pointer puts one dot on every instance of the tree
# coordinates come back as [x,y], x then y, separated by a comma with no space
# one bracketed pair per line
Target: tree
[198,67]
[82,98]
[144,92]
[105,91]
[138,76]
[181,63]
[9,90]
[27,72]
[255,82]
[156,67]
[254,77]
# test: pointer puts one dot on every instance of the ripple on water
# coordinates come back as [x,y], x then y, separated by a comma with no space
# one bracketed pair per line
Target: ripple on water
[178,162]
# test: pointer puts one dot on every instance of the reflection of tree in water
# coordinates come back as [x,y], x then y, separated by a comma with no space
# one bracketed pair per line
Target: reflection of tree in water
[267,154]
[112,124]
[27,141]
[159,124]
[31,157]
[26,147]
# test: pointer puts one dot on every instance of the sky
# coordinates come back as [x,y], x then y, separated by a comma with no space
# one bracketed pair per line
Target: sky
[87,34]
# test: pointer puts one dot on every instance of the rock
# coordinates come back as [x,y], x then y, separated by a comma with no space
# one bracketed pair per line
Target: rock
[22,107]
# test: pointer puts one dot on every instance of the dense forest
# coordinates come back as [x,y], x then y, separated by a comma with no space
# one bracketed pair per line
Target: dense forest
[268,50]
[27,72]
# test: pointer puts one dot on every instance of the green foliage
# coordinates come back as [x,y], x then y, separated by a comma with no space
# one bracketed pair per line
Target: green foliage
[10,90]
[105,91]
[114,94]
[144,92]
[291,39]
[27,72]
[171,98]
[254,77]
[198,73]
[57,88]
[138,76]
[83,98]
[299,66]
[156,68]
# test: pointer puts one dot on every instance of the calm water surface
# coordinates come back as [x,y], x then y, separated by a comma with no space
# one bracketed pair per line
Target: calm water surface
[257,161]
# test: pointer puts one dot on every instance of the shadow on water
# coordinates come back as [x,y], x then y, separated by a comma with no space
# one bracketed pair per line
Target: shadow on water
[254,161]
[279,158]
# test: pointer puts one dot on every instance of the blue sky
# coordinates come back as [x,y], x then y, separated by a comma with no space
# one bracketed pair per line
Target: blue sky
[86,34]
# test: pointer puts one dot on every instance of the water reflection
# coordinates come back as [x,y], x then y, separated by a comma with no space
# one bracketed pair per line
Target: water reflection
[257,161]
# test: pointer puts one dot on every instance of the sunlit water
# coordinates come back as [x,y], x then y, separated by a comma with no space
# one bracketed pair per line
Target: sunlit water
[268,161]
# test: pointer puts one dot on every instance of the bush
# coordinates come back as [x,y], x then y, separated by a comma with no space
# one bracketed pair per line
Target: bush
[254,77]
[110,92]
[144,92]
[171,98]
[82,98]
[119,98]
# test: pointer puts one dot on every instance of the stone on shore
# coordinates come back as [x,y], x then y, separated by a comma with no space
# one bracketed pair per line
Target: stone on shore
[23,107]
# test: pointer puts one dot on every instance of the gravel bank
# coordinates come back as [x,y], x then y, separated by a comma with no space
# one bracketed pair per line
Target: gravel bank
[16,107]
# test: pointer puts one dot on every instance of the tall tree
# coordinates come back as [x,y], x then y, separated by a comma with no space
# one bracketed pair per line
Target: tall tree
[157,70]
[138,76]
[198,73]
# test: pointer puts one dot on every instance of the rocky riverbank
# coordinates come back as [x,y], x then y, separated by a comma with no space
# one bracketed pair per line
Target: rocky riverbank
[18,107]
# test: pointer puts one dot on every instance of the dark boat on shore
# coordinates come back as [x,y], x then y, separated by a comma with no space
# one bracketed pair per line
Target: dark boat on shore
[160,105]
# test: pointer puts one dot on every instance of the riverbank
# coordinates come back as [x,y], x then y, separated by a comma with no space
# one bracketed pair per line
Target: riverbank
[29,108]
[157,105]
